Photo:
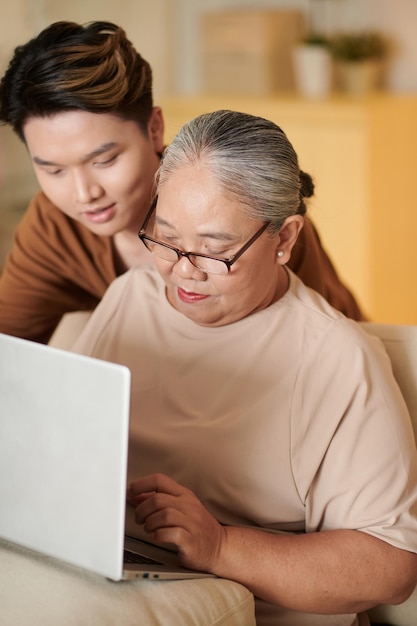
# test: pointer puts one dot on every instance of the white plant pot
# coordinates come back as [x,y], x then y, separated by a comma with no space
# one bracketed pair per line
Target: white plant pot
[312,70]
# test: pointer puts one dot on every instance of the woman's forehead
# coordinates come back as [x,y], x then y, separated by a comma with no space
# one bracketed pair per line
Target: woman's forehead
[195,186]
[201,200]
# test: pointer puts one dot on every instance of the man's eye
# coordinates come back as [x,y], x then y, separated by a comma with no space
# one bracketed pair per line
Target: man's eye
[106,162]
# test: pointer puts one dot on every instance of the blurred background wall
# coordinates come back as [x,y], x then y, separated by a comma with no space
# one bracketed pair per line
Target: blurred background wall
[398,19]
[167,33]
[353,174]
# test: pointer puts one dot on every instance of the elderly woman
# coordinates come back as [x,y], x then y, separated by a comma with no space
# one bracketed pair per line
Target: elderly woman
[269,441]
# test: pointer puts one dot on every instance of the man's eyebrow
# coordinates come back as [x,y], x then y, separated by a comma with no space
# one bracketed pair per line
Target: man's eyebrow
[221,236]
[105,147]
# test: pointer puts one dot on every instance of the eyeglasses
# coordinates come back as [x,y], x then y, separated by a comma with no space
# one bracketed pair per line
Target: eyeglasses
[203,262]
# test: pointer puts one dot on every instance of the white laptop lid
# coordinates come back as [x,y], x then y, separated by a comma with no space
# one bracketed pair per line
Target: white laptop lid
[74,410]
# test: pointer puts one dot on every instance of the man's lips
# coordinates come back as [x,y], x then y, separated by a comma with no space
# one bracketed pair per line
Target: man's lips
[101,215]
[190,297]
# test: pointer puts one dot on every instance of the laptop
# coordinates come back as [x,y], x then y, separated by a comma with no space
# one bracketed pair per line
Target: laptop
[64,428]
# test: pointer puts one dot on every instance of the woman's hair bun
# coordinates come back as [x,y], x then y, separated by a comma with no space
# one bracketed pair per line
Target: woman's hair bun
[307,185]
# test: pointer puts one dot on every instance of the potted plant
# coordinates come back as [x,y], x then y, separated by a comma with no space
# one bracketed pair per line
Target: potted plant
[359,60]
[313,66]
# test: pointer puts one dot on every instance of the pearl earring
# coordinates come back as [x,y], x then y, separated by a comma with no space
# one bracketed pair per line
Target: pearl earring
[280,254]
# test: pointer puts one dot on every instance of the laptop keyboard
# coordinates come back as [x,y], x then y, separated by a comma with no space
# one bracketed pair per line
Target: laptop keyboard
[134,557]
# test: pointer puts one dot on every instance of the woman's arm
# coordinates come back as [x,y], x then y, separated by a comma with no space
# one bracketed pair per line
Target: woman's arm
[340,571]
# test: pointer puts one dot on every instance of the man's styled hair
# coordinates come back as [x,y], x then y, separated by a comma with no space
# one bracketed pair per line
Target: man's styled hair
[68,67]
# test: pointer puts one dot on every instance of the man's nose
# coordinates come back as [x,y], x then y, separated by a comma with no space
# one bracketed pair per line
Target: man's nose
[86,189]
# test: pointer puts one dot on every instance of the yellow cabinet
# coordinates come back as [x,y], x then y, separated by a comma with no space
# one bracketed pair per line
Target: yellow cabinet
[362,154]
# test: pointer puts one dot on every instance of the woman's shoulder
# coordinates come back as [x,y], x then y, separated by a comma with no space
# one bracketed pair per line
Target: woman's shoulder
[138,280]
[308,302]
[315,314]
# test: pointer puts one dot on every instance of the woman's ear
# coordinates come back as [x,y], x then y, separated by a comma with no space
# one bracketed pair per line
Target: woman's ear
[156,129]
[288,235]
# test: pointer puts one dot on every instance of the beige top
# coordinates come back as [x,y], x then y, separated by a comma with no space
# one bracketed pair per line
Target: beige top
[288,420]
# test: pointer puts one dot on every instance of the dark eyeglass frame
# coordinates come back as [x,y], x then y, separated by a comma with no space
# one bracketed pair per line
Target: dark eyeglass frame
[180,253]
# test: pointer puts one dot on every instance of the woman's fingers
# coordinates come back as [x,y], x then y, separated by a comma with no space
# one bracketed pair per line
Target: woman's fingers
[172,513]
[154,483]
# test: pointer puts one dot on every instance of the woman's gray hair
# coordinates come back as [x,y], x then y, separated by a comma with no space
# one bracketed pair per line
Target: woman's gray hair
[251,158]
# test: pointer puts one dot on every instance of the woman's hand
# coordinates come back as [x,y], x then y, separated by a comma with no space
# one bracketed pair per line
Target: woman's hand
[172,513]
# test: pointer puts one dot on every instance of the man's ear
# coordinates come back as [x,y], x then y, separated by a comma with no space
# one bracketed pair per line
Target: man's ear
[156,129]
[288,235]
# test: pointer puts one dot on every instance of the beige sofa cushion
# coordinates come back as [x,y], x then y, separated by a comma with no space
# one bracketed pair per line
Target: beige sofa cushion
[402,615]
[401,344]
[69,329]
[40,591]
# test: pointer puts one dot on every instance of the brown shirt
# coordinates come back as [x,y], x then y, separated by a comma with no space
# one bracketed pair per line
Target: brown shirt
[57,265]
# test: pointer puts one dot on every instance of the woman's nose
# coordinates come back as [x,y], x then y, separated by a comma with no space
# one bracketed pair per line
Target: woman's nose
[183,267]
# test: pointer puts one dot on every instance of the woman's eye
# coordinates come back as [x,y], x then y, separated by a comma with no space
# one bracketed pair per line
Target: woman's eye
[170,239]
[221,254]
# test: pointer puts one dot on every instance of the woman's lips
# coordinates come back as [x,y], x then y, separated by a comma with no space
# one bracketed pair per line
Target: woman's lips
[189,297]
[100,216]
